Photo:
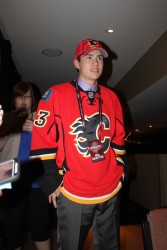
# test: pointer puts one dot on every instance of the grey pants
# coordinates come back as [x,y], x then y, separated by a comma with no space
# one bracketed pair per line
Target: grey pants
[75,220]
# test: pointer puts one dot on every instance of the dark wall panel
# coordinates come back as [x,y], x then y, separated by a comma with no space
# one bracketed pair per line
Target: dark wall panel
[8,74]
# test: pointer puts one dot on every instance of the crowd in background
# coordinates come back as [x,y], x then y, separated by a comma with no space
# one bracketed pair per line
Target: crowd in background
[24,207]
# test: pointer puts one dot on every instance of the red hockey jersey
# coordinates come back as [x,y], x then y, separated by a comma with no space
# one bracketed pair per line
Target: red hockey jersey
[59,141]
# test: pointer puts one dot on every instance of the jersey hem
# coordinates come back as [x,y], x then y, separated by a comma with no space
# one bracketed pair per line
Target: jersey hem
[92,200]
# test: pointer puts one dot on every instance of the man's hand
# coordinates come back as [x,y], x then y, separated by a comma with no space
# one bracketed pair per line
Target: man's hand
[53,196]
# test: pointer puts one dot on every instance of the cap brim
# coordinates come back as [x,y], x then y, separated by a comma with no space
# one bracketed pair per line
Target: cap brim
[103,51]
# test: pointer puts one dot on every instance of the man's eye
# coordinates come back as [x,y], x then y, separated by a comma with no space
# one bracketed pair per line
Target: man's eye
[100,58]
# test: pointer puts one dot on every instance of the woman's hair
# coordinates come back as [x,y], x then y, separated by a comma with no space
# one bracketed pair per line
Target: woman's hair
[13,121]
[20,89]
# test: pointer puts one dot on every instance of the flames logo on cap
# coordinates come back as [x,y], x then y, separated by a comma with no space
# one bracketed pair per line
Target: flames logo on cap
[92,124]
[93,42]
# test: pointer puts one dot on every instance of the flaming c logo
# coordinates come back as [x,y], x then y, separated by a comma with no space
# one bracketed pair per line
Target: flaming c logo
[92,125]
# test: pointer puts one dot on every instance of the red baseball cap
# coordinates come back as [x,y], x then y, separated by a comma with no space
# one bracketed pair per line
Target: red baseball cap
[88,45]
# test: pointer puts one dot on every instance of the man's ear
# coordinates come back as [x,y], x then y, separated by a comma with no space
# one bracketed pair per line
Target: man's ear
[76,63]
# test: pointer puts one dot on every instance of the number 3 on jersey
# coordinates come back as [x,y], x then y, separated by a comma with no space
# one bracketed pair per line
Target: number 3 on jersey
[42,118]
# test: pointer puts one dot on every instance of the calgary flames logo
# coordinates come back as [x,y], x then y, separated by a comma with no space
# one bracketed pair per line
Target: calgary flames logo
[92,126]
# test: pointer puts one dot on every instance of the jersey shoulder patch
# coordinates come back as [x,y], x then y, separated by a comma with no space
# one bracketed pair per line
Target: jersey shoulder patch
[46,96]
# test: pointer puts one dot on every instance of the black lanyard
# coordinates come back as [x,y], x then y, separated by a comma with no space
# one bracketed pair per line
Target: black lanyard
[81,108]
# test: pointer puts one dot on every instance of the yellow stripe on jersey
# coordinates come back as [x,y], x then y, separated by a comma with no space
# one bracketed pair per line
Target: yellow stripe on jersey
[96,200]
[44,157]
[119,159]
[119,151]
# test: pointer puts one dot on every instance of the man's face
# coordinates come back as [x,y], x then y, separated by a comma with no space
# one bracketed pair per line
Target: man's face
[90,66]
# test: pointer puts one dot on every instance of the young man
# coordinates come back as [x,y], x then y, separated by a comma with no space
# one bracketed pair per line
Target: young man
[79,136]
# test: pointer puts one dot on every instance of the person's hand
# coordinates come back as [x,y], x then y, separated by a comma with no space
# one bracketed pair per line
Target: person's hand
[1,193]
[53,196]
[28,125]
[1,115]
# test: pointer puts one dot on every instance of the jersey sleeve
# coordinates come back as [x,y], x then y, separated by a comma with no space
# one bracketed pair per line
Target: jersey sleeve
[118,141]
[45,141]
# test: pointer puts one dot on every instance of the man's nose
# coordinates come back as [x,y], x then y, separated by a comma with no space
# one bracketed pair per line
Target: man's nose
[95,60]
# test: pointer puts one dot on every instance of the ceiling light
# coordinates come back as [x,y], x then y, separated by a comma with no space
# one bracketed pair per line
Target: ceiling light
[137,130]
[109,30]
[51,52]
